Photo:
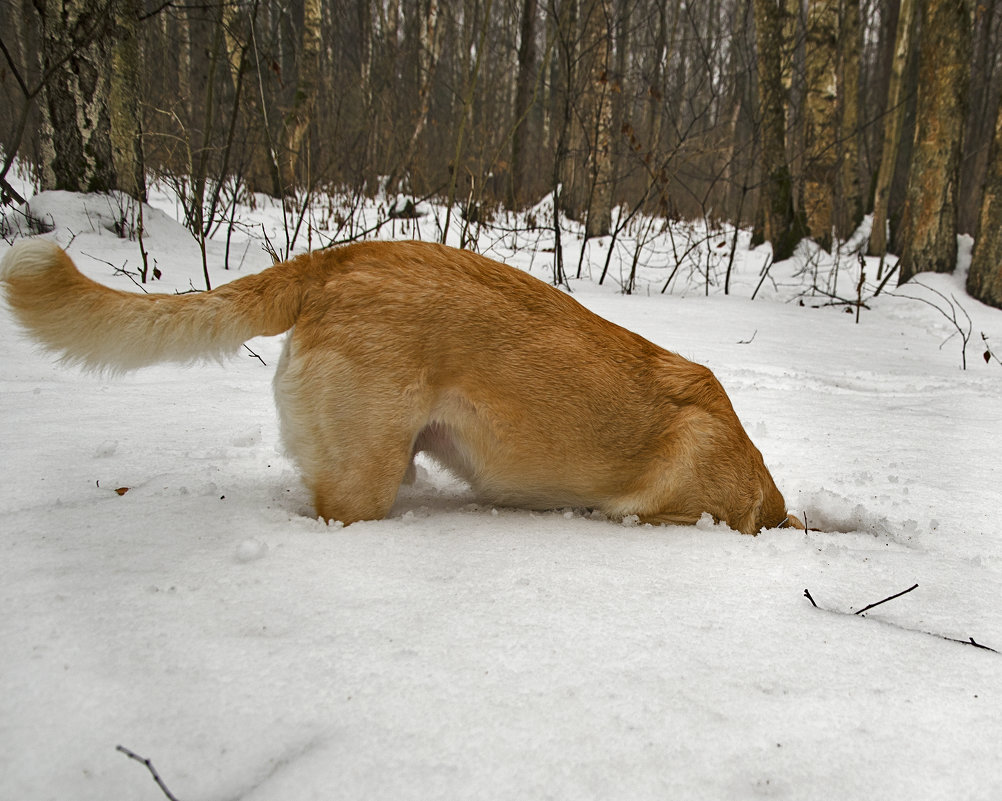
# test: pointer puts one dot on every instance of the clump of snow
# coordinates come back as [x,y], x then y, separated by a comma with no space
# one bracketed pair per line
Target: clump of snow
[833,512]
[250,550]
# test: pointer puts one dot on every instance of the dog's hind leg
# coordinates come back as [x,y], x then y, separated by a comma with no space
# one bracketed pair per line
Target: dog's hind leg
[351,434]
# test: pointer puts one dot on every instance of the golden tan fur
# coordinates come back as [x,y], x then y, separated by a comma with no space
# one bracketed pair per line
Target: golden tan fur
[402,347]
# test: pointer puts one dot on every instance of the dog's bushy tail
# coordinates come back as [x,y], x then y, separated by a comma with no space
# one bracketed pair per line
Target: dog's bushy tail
[101,328]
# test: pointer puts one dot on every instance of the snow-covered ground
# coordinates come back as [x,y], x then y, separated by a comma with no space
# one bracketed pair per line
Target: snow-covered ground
[204,620]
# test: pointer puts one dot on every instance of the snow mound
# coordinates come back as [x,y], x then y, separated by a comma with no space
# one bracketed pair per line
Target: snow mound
[833,512]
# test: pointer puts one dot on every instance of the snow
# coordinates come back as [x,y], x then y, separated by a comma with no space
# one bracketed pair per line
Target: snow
[203,619]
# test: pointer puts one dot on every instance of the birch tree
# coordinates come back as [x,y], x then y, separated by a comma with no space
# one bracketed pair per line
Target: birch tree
[429,49]
[820,119]
[598,102]
[894,117]
[75,45]
[297,120]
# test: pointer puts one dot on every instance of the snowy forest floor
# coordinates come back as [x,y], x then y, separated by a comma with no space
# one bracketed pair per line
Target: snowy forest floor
[206,621]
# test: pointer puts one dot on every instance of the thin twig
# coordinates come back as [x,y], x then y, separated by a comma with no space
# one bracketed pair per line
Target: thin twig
[150,768]
[269,248]
[989,354]
[888,598]
[965,336]
[765,274]
[859,286]
[118,270]
[887,278]
[254,355]
[970,641]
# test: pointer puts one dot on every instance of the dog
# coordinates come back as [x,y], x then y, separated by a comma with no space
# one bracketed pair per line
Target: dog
[397,348]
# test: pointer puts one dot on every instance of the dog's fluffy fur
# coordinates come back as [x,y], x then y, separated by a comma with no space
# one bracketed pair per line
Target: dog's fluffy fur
[402,347]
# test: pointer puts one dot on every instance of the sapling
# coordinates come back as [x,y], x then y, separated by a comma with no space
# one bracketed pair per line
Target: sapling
[953,305]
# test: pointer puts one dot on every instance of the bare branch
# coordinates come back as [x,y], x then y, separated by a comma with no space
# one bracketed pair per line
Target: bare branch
[888,598]
[149,766]
[965,335]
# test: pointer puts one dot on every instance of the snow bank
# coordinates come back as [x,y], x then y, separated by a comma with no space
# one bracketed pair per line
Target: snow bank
[203,619]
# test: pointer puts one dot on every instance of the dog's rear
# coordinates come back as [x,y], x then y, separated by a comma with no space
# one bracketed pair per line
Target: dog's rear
[403,347]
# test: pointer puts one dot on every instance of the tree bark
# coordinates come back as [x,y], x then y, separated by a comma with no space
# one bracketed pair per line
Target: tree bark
[297,120]
[929,217]
[984,281]
[75,98]
[894,117]
[572,144]
[820,119]
[776,221]
[523,96]
[428,56]
[125,119]
[598,101]
[849,195]
[984,100]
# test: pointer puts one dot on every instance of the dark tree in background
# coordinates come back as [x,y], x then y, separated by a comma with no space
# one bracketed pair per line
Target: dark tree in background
[124,101]
[793,116]
[893,124]
[525,96]
[929,217]
[779,221]
[984,281]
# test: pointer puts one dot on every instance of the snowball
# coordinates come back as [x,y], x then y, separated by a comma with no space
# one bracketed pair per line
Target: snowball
[705,522]
[251,550]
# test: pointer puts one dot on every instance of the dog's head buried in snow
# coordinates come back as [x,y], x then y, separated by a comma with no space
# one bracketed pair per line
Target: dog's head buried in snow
[402,347]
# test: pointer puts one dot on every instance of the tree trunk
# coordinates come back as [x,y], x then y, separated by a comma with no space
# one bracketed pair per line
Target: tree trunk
[654,107]
[984,99]
[523,97]
[126,125]
[598,101]
[775,220]
[849,197]
[894,117]
[76,96]
[572,145]
[929,216]
[428,57]
[820,119]
[984,281]
[297,120]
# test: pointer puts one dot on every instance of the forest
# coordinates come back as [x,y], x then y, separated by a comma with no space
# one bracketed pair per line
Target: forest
[792,117]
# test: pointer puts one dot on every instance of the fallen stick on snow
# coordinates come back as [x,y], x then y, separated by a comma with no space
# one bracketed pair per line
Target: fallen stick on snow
[149,766]
[968,641]
[888,598]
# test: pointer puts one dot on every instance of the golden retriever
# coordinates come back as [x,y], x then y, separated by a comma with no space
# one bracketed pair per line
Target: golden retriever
[401,347]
